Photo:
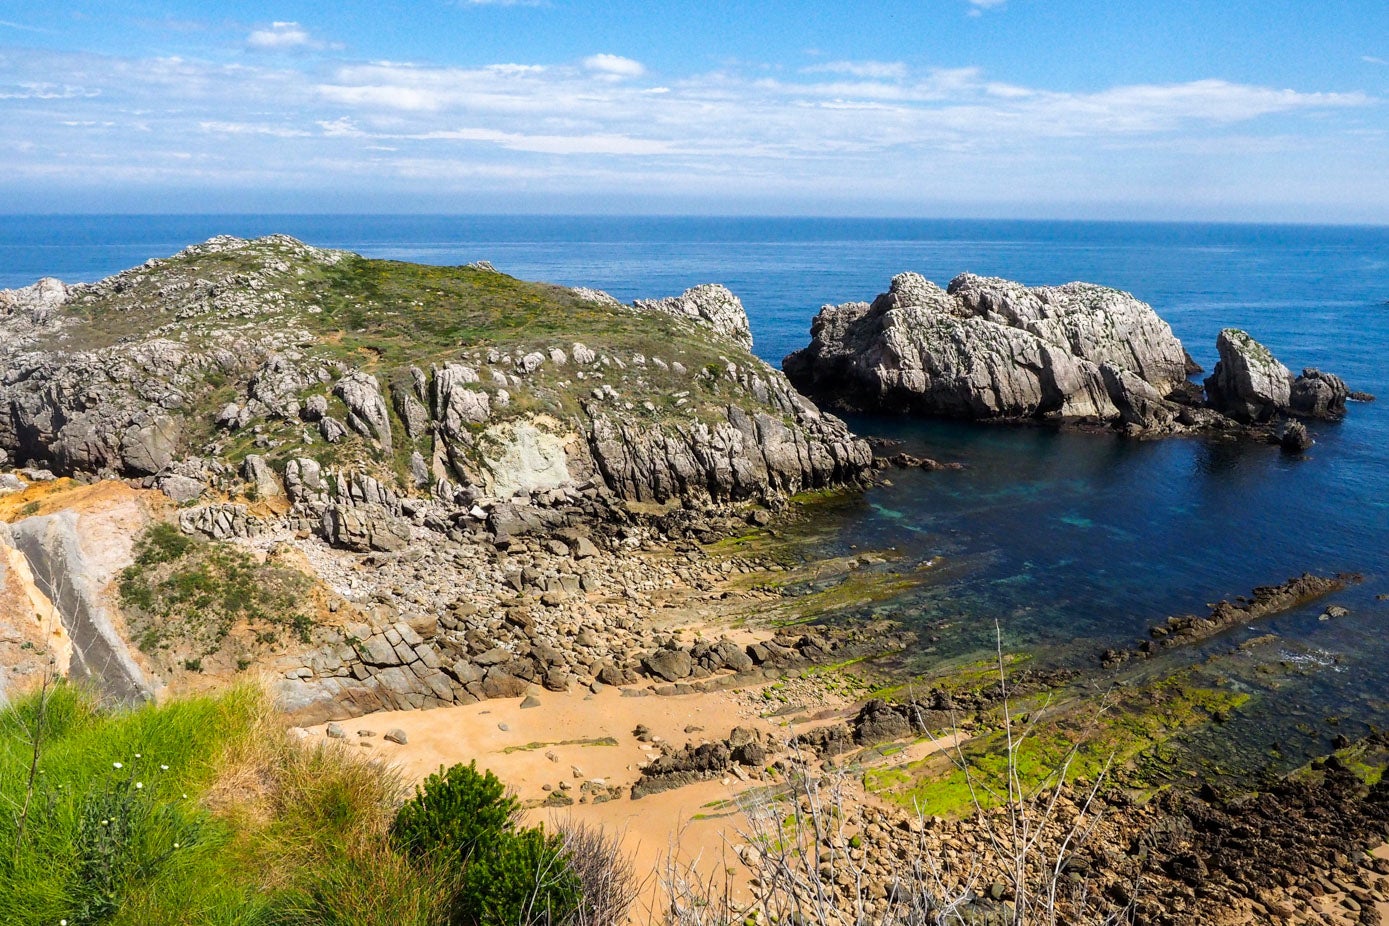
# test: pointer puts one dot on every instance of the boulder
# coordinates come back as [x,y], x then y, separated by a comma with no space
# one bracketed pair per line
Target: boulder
[261,477]
[1294,438]
[1248,383]
[150,447]
[672,665]
[313,409]
[1316,394]
[364,528]
[366,408]
[304,483]
[181,489]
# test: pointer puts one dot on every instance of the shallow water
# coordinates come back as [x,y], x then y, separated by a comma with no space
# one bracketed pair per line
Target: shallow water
[1072,542]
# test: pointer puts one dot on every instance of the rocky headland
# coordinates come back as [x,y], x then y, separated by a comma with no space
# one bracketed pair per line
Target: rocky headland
[480,500]
[557,521]
[992,349]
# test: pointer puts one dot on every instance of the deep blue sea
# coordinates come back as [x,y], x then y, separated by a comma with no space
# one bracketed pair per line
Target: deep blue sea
[1071,541]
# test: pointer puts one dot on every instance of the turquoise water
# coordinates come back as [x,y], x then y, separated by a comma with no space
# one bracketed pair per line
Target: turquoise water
[1073,542]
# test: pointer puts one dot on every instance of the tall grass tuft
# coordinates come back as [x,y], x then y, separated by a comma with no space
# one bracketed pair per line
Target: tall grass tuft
[199,811]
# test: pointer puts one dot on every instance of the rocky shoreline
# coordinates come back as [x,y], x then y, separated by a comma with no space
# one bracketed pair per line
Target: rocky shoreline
[1264,601]
[482,507]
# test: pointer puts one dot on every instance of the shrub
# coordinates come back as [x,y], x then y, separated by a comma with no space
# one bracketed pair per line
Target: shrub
[521,879]
[462,821]
[453,813]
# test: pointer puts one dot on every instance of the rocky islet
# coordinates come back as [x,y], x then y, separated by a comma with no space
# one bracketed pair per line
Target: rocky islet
[993,349]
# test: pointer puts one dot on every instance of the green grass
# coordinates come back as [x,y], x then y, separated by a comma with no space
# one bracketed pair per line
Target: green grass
[211,817]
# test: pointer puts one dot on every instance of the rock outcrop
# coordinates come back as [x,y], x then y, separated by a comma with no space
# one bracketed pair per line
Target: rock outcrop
[252,354]
[61,570]
[1319,395]
[1248,383]
[989,348]
[710,305]
[993,349]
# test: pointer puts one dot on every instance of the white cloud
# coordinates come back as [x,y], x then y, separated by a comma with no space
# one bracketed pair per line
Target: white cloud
[555,144]
[252,128]
[5,23]
[879,70]
[340,128]
[615,65]
[281,36]
[1371,59]
[840,130]
[39,90]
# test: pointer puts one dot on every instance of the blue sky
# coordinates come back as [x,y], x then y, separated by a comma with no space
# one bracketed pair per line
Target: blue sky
[1231,110]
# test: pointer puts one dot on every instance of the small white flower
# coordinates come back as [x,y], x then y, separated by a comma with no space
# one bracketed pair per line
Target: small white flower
[185,797]
[137,755]
[62,923]
[163,768]
[175,845]
[117,765]
[105,822]
[139,785]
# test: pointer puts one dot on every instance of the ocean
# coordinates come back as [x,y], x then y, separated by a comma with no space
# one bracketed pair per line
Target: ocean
[1068,542]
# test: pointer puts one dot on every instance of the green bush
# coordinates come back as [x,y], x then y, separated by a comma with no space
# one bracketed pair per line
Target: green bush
[452,813]
[520,879]
[462,820]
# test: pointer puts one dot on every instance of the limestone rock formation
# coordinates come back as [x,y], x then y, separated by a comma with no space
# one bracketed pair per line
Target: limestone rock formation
[711,305]
[228,352]
[994,349]
[1251,386]
[1318,395]
[990,348]
[1248,383]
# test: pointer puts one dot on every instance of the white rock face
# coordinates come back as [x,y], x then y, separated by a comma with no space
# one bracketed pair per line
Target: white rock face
[518,457]
[1248,383]
[990,348]
[711,305]
[39,301]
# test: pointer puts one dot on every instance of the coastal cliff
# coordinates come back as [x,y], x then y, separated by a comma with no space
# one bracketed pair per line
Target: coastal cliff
[500,452]
[462,383]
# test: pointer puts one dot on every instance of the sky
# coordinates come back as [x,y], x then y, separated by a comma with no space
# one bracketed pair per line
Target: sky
[1224,110]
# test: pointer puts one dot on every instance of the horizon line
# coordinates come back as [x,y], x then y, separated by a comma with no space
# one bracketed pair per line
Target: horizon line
[710,216]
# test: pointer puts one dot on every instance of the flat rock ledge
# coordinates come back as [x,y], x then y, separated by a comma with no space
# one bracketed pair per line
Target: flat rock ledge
[1264,601]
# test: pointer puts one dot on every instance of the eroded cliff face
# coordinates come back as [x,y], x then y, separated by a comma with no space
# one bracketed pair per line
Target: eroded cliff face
[236,360]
